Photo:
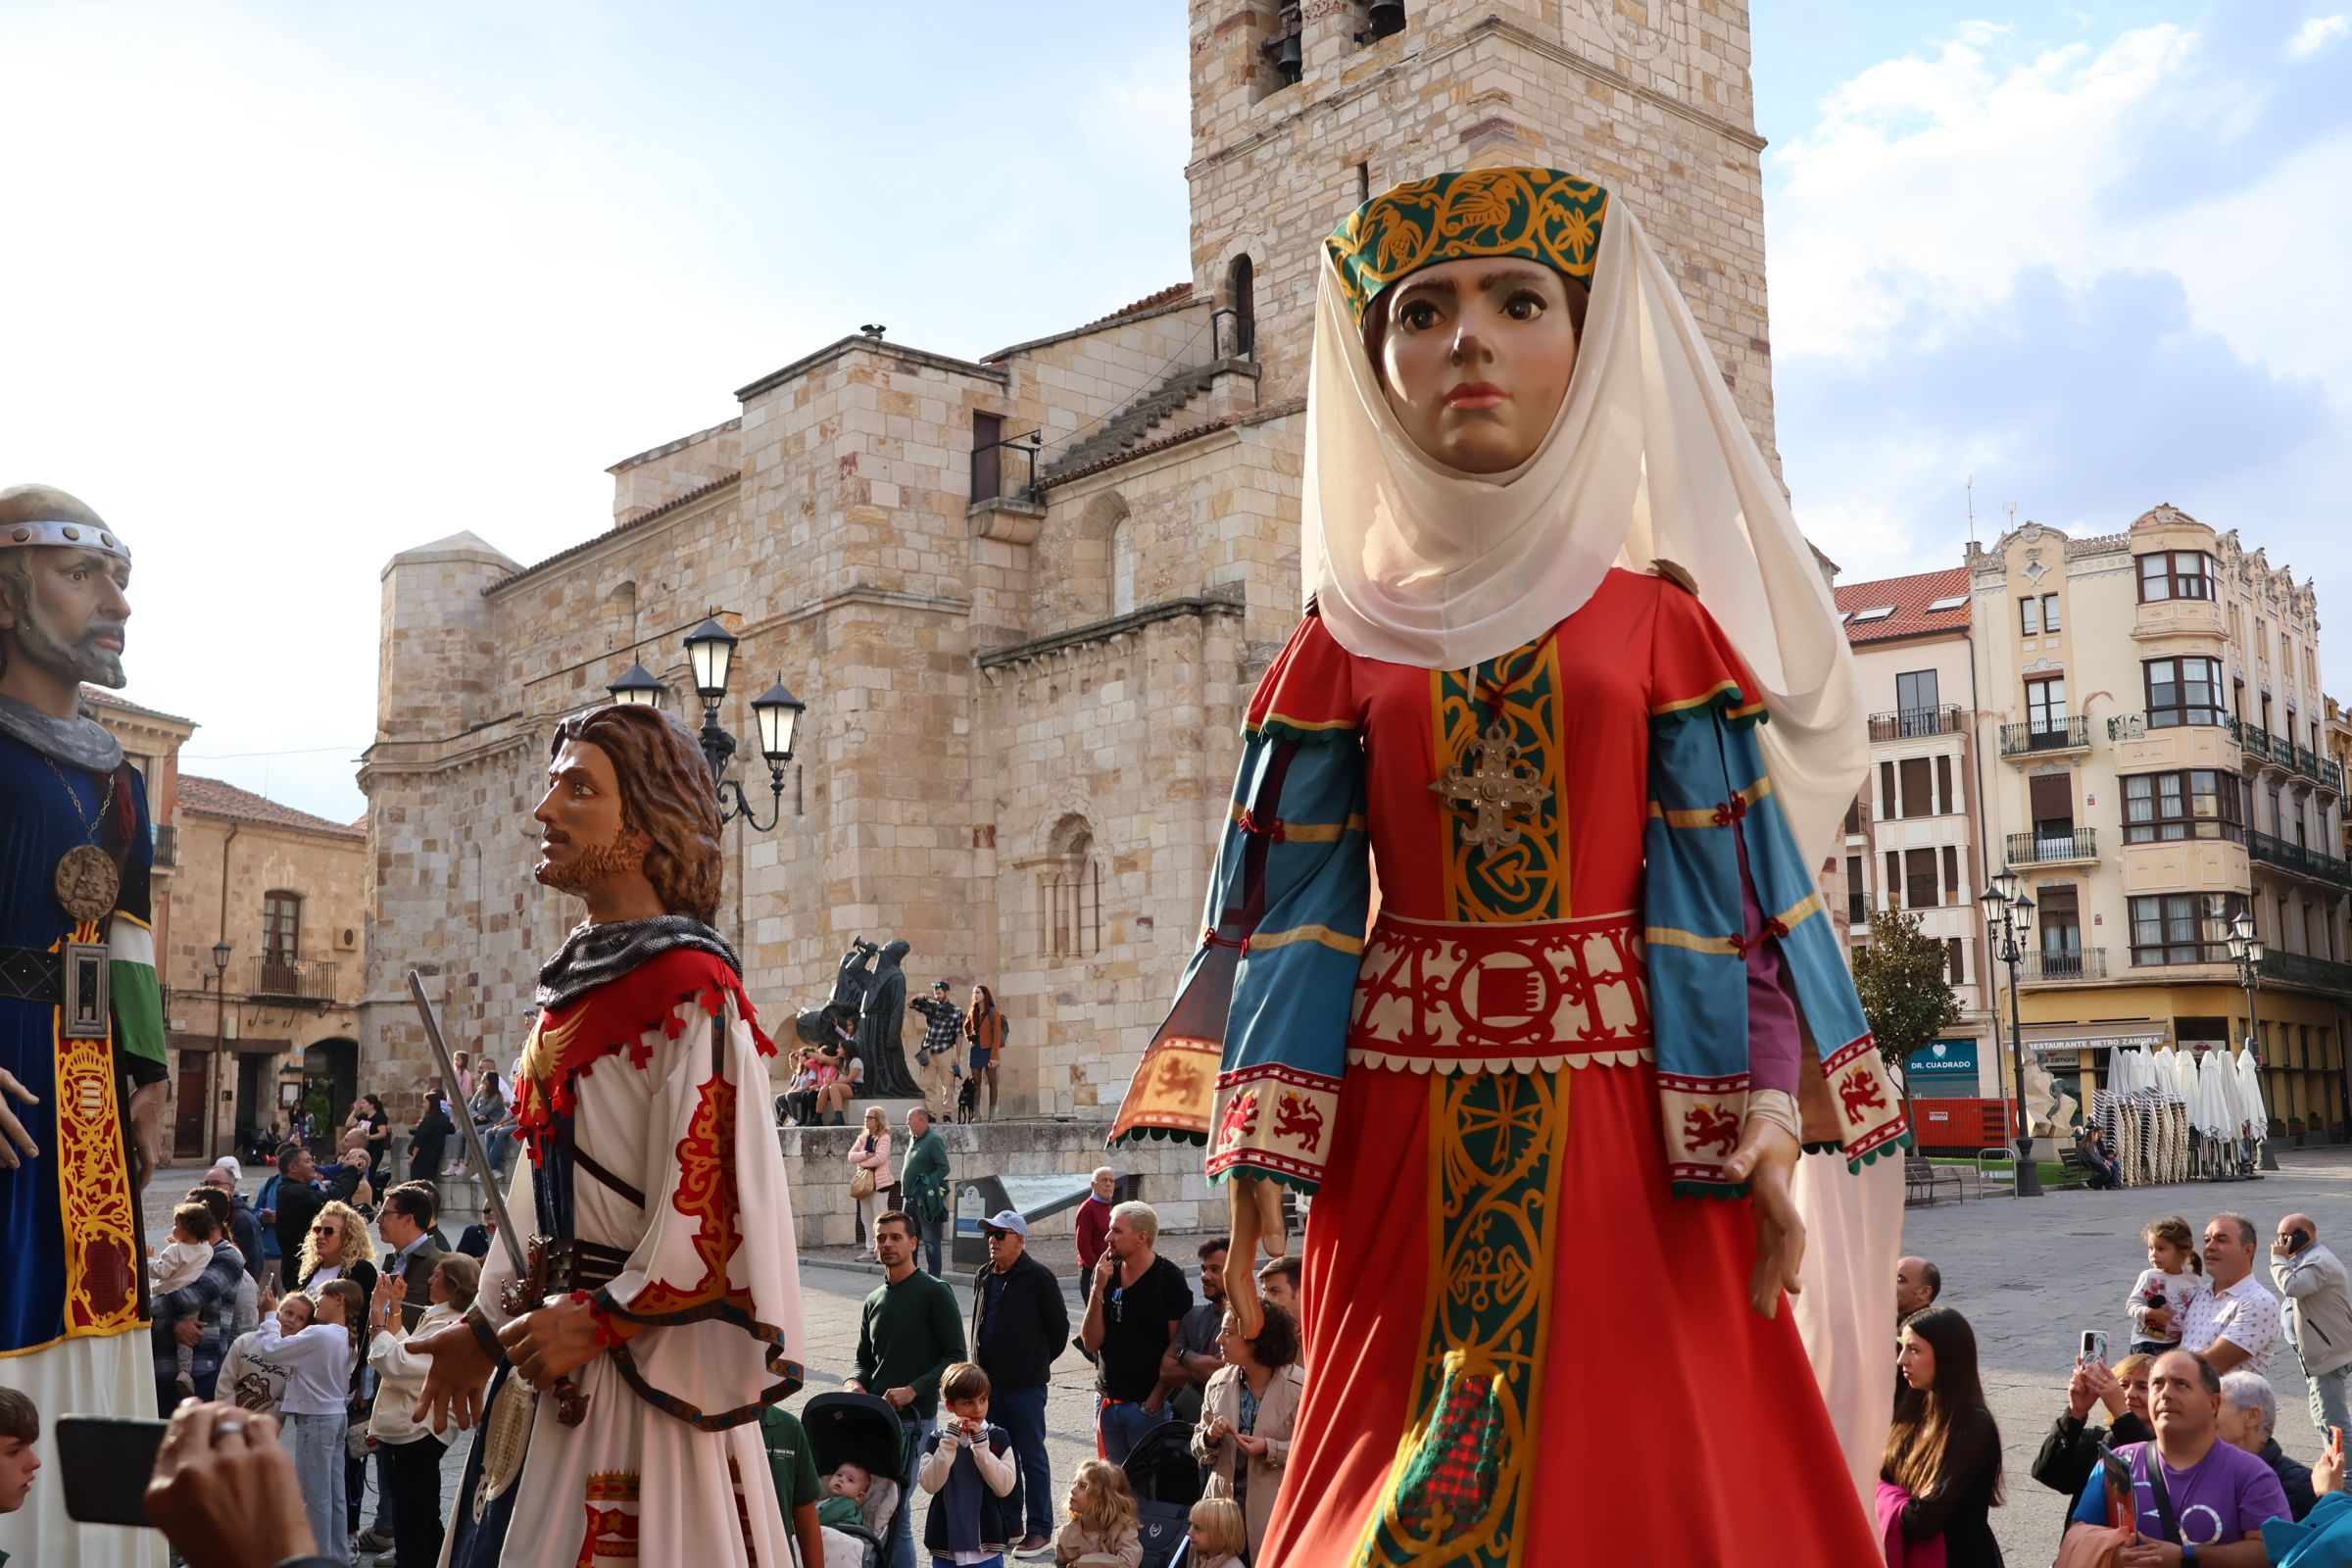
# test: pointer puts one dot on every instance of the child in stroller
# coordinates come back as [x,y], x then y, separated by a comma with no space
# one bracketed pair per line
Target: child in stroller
[847,1434]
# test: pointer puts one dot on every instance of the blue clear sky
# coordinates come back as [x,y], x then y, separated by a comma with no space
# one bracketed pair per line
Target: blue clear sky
[315,283]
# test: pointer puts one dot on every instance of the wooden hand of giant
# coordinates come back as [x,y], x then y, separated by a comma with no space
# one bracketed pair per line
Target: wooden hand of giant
[1766,1159]
[1256,1203]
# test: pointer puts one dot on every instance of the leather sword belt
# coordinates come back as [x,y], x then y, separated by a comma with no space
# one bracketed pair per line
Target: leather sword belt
[557,1266]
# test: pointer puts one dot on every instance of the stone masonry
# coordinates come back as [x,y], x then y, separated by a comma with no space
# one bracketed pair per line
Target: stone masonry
[1022,705]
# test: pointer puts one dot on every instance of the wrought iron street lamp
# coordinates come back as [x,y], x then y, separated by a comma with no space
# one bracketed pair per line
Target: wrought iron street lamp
[220,983]
[2246,950]
[2008,917]
[639,687]
[710,656]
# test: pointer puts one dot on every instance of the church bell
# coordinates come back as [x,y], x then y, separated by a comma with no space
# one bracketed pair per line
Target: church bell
[1386,16]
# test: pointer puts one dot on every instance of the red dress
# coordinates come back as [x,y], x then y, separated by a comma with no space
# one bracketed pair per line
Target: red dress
[1521,1348]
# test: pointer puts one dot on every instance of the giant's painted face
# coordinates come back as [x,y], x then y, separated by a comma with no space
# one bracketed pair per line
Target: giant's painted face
[584,840]
[64,610]
[1475,357]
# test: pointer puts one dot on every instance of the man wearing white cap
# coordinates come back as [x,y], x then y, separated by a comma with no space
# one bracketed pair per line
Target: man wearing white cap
[1019,1324]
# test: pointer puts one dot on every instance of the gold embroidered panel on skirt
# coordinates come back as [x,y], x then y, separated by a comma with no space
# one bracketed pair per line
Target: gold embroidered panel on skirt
[101,1288]
[1459,1488]
[1526,879]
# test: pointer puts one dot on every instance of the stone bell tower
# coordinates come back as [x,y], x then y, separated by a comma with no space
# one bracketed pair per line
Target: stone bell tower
[1303,110]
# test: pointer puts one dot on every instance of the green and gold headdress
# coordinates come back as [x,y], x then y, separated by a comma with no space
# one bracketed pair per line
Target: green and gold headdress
[1540,214]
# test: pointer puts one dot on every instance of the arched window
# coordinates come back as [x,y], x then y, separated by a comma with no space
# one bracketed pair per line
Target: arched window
[1122,566]
[1241,289]
[1069,892]
[1105,527]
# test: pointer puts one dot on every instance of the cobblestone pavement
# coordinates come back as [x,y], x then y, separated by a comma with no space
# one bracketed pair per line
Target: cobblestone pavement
[2032,1274]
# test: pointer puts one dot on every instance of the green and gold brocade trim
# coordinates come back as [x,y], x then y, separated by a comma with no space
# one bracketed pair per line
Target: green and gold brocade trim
[1538,215]
[1459,1490]
[1527,880]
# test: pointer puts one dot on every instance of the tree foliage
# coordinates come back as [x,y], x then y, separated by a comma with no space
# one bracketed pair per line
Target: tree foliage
[1905,994]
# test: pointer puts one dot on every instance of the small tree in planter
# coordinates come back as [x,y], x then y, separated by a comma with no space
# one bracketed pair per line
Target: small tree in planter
[1905,993]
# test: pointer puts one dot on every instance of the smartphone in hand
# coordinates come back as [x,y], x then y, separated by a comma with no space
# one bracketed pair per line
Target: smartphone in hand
[107,1463]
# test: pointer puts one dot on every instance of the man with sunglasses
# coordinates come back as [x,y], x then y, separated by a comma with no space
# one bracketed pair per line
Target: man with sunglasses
[1134,1314]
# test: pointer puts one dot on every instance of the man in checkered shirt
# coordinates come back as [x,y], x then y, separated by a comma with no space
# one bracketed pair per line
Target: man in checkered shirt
[939,1060]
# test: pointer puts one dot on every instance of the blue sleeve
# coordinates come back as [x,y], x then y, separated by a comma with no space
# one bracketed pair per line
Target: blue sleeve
[2092,1507]
[1251,1057]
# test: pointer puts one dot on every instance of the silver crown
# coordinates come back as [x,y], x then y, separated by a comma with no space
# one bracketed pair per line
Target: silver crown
[42,515]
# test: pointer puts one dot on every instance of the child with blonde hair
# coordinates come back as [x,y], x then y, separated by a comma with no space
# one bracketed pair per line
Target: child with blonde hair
[2160,1297]
[1104,1530]
[1220,1534]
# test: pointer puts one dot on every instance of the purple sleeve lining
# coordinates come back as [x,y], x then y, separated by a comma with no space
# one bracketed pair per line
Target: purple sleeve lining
[1773,1036]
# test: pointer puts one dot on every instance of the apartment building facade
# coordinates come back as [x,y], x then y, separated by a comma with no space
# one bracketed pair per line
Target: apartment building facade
[2157,759]
[1914,840]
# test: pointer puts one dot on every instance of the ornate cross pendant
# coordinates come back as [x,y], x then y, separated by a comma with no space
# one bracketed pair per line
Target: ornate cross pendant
[1495,788]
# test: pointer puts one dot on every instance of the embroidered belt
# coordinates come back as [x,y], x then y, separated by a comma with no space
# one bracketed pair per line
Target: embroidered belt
[1443,996]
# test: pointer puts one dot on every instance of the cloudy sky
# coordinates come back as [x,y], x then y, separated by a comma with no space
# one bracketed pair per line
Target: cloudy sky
[293,287]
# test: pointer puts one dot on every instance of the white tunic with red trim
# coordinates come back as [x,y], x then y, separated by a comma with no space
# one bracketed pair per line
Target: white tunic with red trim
[663,1075]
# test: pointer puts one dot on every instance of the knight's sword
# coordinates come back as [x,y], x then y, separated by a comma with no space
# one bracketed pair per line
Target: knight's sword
[473,1135]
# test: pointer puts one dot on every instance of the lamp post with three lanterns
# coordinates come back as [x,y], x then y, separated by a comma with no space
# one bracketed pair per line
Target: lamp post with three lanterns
[2008,917]
[710,654]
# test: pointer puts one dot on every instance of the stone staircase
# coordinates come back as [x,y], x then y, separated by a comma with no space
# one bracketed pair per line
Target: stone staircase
[1135,424]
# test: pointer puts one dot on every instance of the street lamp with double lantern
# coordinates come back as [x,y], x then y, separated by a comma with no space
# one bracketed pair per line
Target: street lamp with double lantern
[2008,917]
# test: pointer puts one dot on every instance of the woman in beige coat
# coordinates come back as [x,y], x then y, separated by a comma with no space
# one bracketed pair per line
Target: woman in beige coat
[869,1150]
[1247,1412]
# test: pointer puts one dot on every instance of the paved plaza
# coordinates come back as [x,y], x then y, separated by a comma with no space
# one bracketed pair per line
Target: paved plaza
[2030,1274]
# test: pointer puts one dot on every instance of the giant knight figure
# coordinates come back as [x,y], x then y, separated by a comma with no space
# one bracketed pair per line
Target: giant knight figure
[660,1310]
[82,1027]
[1570,675]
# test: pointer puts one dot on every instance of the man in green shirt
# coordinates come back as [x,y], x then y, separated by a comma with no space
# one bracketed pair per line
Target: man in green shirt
[908,1336]
[797,1487]
[923,1182]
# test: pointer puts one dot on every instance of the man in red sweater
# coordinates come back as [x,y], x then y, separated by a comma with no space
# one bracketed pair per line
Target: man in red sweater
[1093,1234]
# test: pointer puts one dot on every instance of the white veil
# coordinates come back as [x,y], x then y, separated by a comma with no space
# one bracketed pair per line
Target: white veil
[1418,563]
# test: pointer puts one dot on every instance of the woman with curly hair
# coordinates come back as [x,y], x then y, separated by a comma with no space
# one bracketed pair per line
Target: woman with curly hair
[336,1249]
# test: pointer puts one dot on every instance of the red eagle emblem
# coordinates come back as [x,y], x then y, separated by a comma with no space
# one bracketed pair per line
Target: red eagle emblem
[1178,1078]
[1295,1117]
[1240,1120]
[1861,1091]
[1711,1127]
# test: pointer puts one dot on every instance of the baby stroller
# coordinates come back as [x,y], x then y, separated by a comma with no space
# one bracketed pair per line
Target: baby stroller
[863,1430]
[1167,1482]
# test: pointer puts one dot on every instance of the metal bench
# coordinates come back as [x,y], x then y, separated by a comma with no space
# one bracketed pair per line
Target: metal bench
[1924,1180]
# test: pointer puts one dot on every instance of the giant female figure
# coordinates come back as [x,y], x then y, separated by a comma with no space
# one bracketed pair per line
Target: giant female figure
[1570,678]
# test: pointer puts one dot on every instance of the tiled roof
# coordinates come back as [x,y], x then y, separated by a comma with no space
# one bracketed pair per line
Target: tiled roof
[1173,294]
[103,698]
[639,521]
[210,797]
[1909,598]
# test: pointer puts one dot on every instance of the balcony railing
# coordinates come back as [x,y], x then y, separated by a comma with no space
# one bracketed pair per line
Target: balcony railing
[1857,908]
[2299,970]
[2043,847]
[2279,750]
[2055,735]
[2046,967]
[292,979]
[166,844]
[2272,850]
[1906,724]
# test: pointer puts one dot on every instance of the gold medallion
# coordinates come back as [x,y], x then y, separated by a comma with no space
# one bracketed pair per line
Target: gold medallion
[87,883]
